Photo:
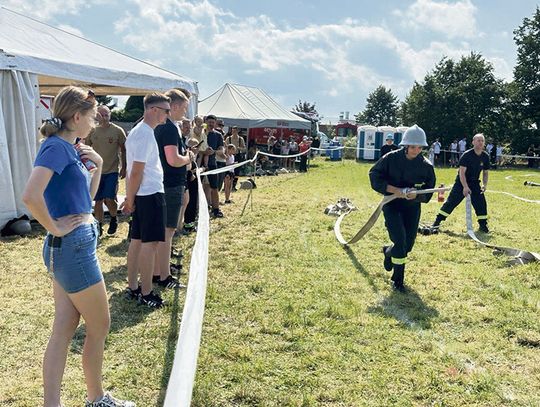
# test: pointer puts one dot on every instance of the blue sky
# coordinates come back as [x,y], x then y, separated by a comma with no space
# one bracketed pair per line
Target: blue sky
[332,53]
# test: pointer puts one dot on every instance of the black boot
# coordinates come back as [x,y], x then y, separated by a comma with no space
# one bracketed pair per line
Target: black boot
[113,225]
[387,257]
[483,226]
[398,277]
[438,220]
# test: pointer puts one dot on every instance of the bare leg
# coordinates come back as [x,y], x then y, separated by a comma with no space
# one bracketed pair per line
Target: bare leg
[66,320]
[112,206]
[93,306]
[146,265]
[185,202]
[163,256]
[133,263]
[228,186]
[98,211]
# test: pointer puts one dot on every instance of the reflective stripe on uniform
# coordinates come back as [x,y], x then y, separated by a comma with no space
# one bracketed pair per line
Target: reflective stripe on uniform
[396,260]
[443,213]
[482,217]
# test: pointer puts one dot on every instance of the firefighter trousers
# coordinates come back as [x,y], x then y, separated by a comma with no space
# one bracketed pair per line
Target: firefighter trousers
[478,200]
[401,220]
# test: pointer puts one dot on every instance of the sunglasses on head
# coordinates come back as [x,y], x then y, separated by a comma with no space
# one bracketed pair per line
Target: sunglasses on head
[91,95]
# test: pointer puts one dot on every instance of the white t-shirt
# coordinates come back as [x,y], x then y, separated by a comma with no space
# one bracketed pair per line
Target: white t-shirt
[462,144]
[141,146]
[437,147]
[453,147]
[489,147]
[499,151]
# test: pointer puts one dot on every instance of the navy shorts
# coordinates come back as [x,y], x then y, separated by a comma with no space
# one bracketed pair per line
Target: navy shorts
[174,198]
[108,186]
[148,222]
[72,260]
[213,179]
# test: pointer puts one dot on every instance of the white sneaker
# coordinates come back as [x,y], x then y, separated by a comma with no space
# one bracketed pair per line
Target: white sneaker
[109,401]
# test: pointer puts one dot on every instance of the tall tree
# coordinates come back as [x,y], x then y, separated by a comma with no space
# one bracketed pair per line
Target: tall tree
[527,77]
[133,110]
[107,101]
[457,99]
[381,108]
[305,107]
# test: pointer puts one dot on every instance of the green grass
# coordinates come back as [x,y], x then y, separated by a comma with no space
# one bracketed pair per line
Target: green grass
[293,319]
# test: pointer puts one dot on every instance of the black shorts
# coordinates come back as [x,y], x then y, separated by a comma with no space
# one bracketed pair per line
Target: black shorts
[148,223]
[213,179]
[174,198]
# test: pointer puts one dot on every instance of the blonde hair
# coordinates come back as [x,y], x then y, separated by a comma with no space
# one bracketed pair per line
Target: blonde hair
[67,103]
[177,96]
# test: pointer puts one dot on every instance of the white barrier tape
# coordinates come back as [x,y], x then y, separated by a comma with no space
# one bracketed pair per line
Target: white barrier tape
[180,387]
[518,256]
[374,216]
[515,196]
[525,157]
[284,156]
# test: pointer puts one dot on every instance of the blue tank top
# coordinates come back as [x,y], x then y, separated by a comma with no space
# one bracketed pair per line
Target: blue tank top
[68,191]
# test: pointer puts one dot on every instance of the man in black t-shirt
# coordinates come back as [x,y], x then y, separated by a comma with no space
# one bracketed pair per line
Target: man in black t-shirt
[389,146]
[215,145]
[175,160]
[471,164]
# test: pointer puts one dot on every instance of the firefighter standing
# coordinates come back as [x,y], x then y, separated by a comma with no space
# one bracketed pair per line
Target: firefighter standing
[471,163]
[401,172]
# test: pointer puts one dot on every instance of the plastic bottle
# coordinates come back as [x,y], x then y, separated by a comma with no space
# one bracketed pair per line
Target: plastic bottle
[440,194]
[89,164]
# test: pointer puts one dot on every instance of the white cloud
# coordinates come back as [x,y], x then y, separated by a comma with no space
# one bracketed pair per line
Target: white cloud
[45,10]
[453,19]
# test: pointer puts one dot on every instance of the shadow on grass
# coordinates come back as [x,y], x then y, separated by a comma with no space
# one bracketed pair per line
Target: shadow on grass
[358,266]
[116,250]
[484,237]
[407,308]
[172,338]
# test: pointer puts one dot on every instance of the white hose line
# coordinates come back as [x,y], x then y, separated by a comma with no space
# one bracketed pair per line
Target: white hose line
[180,386]
[374,216]
[515,196]
[518,256]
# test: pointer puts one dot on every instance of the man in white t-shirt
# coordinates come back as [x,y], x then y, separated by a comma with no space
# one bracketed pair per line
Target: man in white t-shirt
[453,154]
[462,145]
[145,199]
[436,146]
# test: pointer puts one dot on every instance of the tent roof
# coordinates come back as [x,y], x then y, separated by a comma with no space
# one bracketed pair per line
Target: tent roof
[249,107]
[61,58]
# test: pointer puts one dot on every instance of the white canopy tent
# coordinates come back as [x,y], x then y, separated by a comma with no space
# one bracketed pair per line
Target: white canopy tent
[35,59]
[249,107]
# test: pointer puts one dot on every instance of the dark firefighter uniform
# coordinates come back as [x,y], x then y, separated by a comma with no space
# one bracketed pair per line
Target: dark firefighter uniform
[401,215]
[475,164]
[387,148]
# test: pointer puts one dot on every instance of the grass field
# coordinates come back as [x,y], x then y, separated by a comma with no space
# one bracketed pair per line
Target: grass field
[293,319]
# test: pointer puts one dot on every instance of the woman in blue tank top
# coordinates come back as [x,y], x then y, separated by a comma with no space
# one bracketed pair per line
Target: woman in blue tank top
[59,195]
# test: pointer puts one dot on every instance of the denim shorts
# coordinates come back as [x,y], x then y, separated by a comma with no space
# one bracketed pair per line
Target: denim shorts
[108,186]
[72,259]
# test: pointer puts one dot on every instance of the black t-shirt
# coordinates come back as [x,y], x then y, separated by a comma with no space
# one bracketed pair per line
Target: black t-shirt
[168,135]
[474,163]
[214,140]
[387,148]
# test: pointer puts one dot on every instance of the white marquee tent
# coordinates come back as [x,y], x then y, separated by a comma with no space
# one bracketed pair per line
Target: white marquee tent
[38,59]
[249,107]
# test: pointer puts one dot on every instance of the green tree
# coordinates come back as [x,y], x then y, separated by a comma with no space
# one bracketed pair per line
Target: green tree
[106,100]
[527,82]
[381,108]
[133,110]
[305,107]
[459,98]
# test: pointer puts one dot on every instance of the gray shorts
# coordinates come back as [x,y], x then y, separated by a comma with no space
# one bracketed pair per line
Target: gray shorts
[174,198]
